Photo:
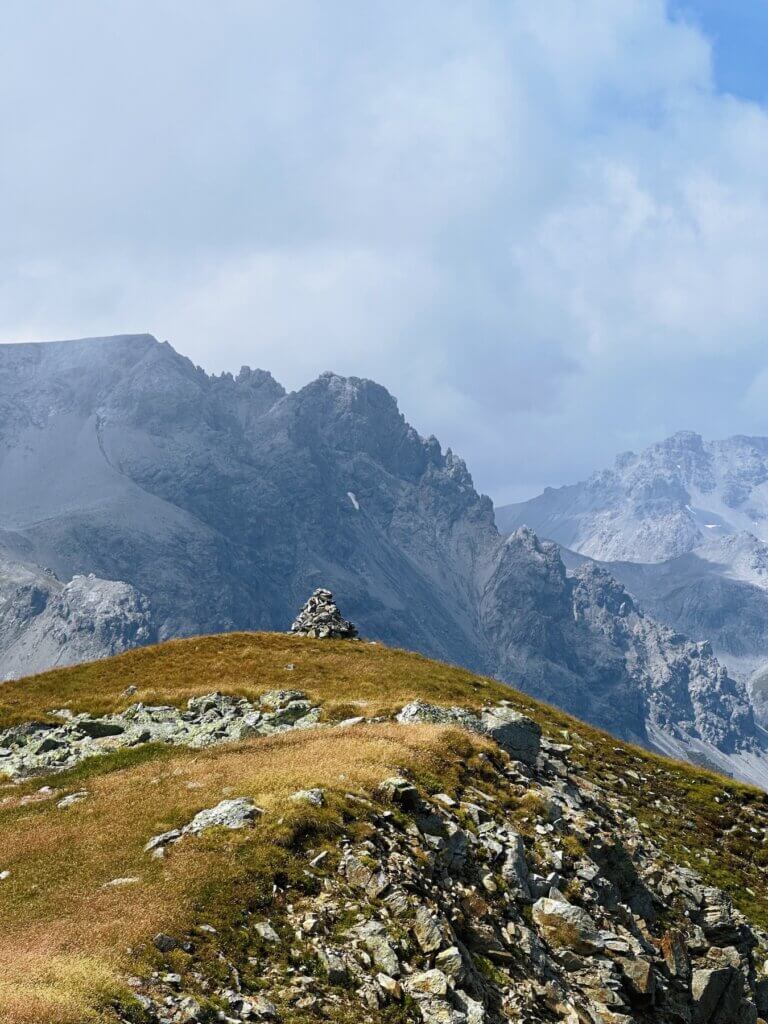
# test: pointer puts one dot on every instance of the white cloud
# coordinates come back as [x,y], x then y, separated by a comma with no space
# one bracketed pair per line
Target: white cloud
[537,223]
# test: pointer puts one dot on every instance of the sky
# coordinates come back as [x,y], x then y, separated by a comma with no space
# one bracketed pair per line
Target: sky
[542,225]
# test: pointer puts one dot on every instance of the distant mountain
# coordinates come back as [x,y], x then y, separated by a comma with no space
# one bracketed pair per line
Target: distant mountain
[680,495]
[224,501]
[46,623]
[684,525]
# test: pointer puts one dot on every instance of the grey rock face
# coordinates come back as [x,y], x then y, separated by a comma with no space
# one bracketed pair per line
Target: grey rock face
[519,735]
[45,623]
[225,501]
[321,619]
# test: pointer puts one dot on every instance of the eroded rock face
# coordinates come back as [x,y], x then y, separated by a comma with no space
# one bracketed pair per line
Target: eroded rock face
[45,623]
[321,619]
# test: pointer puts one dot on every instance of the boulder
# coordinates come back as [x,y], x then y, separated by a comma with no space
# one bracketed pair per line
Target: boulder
[428,983]
[716,994]
[233,814]
[639,978]
[315,797]
[419,711]
[266,932]
[519,735]
[565,926]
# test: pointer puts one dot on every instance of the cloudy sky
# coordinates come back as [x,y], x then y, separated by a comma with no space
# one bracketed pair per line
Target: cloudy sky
[543,224]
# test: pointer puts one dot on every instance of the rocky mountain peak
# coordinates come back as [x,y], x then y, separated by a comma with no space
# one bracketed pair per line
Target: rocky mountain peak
[44,622]
[598,587]
[225,501]
[673,497]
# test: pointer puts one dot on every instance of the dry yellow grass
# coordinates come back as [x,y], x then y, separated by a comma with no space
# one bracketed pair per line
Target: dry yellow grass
[337,672]
[65,933]
[64,938]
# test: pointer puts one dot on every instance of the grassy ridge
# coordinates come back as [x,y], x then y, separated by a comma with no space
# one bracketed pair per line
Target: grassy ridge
[67,937]
[360,678]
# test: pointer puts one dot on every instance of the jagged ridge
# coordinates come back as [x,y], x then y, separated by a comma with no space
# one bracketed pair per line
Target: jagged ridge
[226,501]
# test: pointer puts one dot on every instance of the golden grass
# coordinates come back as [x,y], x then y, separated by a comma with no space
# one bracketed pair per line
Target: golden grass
[64,939]
[64,936]
[358,678]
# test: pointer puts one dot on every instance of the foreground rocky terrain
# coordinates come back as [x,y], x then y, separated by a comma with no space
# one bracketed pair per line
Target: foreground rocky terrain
[452,852]
[225,501]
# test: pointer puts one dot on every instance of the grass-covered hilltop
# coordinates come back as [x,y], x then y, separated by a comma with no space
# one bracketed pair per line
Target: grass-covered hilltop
[458,866]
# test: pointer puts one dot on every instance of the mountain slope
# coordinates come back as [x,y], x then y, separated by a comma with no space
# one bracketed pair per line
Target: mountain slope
[406,869]
[226,501]
[684,525]
[44,622]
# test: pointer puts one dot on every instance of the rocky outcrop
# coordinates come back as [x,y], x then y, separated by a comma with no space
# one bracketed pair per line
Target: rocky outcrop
[321,619]
[45,623]
[526,894]
[234,814]
[36,748]
[517,734]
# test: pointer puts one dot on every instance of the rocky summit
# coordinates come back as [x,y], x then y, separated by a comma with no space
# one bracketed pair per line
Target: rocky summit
[453,853]
[321,619]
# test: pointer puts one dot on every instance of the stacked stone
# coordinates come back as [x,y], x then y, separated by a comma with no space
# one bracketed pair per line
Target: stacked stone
[320,618]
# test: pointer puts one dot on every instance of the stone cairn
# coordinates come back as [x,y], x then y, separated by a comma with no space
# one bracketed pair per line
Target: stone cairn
[320,618]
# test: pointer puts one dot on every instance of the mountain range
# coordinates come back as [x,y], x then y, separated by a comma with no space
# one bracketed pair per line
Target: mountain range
[684,525]
[182,503]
